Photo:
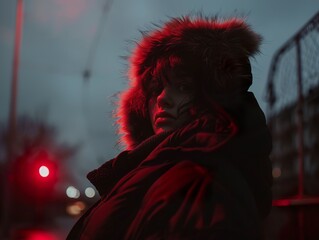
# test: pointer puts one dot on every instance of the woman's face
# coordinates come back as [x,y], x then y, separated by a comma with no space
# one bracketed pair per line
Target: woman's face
[170,102]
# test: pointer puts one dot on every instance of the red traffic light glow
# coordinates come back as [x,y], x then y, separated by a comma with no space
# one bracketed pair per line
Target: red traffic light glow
[35,175]
[44,171]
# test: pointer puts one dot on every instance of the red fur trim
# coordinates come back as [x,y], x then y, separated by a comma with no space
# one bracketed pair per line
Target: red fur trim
[218,47]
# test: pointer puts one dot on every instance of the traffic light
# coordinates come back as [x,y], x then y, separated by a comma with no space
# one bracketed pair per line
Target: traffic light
[35,175]
[44,171]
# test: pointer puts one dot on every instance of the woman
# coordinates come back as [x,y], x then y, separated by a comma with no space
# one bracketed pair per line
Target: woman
[197,163]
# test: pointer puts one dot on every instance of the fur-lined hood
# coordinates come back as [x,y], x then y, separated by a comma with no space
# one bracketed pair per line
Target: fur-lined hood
[219,49]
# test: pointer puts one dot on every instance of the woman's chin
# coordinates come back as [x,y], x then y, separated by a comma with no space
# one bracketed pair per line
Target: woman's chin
[162,129]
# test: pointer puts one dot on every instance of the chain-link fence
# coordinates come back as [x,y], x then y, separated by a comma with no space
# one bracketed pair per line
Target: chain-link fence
[293,117]
[293,107]
[295,67]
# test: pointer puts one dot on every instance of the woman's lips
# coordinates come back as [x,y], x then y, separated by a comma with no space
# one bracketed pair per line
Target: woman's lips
[164,118]
[164,115]
[163,121]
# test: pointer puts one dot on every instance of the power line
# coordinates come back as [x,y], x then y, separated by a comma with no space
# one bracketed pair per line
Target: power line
[89,63]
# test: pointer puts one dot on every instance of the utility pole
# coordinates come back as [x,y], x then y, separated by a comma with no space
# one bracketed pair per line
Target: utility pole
[7,198]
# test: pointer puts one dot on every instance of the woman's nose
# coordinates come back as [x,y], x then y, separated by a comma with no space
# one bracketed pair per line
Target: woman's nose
[164,99]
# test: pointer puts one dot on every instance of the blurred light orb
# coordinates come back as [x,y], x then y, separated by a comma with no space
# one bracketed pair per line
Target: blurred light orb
[89,192]
[276,172]
[44,171]
[72,192]
[75,208]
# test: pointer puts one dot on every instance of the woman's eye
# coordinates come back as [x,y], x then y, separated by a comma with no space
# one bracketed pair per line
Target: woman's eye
[156,92]
[184,88]
[155,89]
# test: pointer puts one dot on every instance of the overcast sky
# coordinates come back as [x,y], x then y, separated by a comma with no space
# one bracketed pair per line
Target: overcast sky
[57,42]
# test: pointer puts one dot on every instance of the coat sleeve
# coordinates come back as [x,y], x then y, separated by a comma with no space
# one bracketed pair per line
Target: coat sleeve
[191,202]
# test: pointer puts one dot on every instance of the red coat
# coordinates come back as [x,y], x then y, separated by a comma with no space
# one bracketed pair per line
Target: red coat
[208,180]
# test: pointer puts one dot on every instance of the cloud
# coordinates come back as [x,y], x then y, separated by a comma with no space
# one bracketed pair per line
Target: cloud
[6,35]
[70,10]
[58,13]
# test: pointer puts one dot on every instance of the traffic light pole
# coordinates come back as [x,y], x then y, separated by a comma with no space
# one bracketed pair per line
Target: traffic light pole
[7,198]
